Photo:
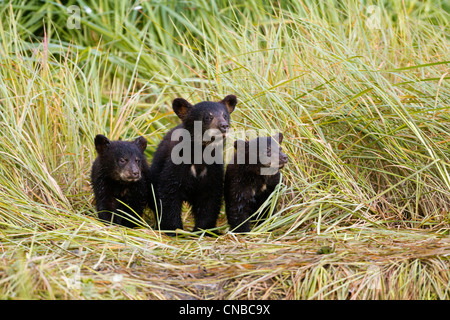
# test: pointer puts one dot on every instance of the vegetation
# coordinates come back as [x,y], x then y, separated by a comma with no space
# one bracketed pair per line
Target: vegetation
[359,88]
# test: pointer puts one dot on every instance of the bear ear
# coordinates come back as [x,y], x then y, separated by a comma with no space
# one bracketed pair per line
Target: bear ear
[101,143]
[278,137]
[230,102]
[181,108]
[240,142]
[141,143]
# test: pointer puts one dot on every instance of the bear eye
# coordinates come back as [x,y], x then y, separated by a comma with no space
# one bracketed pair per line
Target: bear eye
[123,160]
[208,117]
[138,160]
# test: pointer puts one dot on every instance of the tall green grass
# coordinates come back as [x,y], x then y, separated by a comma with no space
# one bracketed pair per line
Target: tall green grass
[362,99]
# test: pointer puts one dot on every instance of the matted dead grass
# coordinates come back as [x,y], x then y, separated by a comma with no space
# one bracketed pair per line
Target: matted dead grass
[141,264]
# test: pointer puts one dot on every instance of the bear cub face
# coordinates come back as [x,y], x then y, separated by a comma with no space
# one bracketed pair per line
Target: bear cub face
[214,117]
[261,153]
[123,160]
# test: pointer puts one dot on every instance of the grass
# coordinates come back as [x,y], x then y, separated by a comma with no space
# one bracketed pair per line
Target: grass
[364,204]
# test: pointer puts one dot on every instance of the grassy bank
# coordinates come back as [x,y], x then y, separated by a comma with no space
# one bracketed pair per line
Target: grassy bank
[360,91]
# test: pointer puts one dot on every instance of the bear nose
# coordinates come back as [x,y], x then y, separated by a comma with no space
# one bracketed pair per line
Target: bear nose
[224,127]
[284,158]
[135,174]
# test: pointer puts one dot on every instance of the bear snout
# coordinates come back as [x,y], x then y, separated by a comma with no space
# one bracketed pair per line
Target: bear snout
[223,127]
[131,175]
[283,158]
[135,174]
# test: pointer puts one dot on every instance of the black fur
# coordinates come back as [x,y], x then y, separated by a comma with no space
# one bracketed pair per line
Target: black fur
[245,188]
[201,185]
[120,172]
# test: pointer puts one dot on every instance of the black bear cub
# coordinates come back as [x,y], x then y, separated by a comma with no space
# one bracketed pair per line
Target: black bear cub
[188,164]
[119,178]
[250,178]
